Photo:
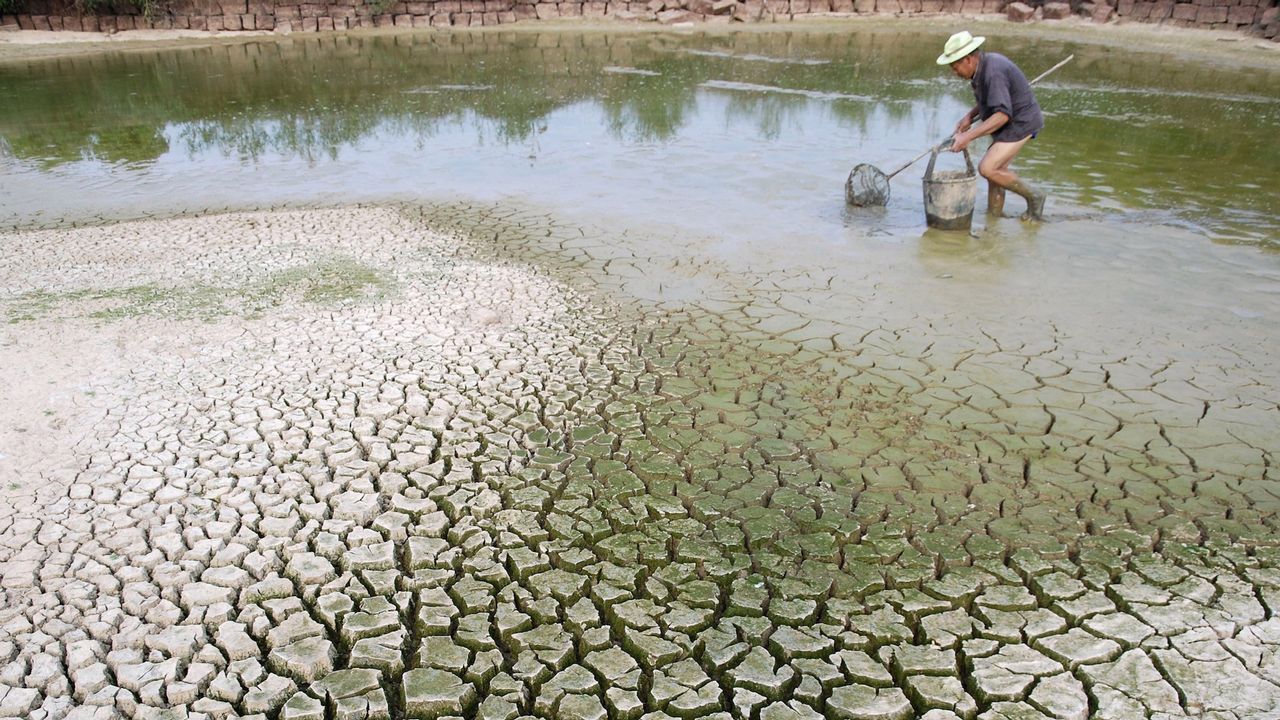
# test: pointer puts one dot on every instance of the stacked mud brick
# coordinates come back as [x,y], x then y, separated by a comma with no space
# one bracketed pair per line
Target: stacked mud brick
[1259,17]
[233,15]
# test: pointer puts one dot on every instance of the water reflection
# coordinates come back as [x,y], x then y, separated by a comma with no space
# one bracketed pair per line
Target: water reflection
[1123,133]
[667,104]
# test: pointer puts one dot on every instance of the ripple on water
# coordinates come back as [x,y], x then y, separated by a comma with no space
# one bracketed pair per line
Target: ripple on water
[752,57]
[756,88]
[1163,93]
[614,69]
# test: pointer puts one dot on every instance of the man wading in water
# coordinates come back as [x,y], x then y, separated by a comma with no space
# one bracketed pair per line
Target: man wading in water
[1008,111]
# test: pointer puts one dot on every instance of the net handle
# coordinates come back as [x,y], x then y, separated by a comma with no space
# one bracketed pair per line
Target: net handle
[1045,74]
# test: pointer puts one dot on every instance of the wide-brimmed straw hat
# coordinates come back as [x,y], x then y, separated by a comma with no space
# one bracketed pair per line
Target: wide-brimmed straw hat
[959,45]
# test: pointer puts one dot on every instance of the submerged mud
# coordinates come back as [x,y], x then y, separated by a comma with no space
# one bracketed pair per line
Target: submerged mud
[486,480]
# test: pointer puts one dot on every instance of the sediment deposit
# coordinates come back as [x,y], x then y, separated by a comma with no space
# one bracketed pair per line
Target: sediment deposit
[429,462]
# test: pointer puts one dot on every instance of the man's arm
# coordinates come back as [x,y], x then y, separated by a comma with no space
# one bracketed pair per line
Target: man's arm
[986,127]
[999,99]
[966,121]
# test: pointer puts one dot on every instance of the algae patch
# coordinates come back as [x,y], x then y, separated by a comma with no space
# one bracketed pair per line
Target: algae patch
[331,281]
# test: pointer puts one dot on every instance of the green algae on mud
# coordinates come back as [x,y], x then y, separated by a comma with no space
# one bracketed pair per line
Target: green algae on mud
[329,281]
[332,281]
[847,418]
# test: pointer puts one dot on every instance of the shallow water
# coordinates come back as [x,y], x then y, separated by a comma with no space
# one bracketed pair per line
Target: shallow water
[747,133]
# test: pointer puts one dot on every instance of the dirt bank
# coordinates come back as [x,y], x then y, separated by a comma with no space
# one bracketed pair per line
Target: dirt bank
[1225,48]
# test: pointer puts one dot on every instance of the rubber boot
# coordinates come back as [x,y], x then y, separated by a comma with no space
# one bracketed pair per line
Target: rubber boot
[995,200]
[1035,199]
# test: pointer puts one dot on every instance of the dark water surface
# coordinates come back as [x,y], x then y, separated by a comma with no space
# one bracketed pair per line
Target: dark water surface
[746,134]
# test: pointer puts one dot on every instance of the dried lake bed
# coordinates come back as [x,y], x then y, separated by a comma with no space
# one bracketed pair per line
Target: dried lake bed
[468,460]
[645,424]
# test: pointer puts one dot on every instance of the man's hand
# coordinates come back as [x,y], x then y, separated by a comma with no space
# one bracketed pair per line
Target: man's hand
[986,127]
[963,125]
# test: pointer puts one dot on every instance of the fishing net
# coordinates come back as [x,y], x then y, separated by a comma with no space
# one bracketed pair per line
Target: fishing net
[866,186]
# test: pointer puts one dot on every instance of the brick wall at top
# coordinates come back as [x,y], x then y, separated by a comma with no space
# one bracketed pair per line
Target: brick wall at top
[1259,17]
[345,14]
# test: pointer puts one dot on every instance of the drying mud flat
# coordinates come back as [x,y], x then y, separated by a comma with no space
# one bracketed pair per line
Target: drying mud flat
[365,463]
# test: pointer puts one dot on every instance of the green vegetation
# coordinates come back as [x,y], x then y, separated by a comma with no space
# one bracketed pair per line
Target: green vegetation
[150,8]
[378,7]
[333,281]
[329,282]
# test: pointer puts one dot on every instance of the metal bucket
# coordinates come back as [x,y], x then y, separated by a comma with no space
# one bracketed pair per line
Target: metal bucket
[949,196]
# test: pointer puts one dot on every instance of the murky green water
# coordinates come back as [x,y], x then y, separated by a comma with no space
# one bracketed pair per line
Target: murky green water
[731,134]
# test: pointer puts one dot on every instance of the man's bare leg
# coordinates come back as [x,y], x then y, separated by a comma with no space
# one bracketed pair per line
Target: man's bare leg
[995,168]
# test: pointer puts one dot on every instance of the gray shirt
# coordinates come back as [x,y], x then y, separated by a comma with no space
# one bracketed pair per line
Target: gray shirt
[1000,86]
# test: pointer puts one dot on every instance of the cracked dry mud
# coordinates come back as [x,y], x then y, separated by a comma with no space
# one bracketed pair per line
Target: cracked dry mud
[470,485]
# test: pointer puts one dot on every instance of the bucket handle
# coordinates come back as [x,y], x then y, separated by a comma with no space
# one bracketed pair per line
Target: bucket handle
[928,173]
